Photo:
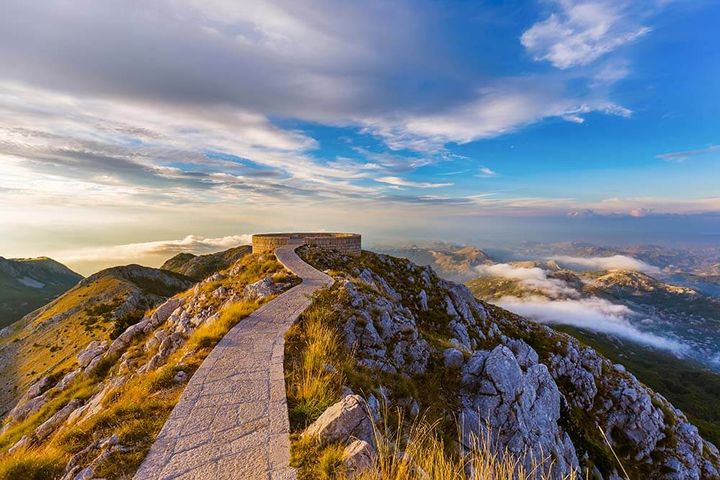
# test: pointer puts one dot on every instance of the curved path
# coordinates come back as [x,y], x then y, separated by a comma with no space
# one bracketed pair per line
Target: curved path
[231,421]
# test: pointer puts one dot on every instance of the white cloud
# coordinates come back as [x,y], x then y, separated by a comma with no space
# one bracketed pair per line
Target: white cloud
[486,172]
[581,31]
[496,110]
[401,182]
[683,155]
[614,262]
[560,303]
[593,313]
[136,148]
[138,252]
[640,212]
[533,278]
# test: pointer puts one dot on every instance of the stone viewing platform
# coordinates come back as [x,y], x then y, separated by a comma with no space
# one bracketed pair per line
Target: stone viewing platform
[347,243]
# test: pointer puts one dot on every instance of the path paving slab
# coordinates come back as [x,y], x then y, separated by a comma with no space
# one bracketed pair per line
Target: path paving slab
[231,421]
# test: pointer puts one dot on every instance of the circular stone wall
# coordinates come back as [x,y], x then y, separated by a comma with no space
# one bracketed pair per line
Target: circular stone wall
[347,243]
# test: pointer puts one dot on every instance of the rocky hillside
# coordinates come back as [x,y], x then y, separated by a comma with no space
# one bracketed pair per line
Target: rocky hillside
[29,283]
[632,305]
[103,366]
[199,267]
[410,339]
[100,307]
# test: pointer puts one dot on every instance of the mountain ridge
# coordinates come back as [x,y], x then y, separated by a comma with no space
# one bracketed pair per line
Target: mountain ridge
[29,283]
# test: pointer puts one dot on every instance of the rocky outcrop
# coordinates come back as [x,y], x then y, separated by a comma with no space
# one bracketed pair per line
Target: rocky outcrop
[387,334]
[261,289]
[146,325]
[58,418]
[512,402]
[634,417]
[94,349]
[98,451]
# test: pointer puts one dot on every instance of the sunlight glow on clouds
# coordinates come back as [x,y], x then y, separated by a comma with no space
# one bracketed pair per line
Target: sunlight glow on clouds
[164,248]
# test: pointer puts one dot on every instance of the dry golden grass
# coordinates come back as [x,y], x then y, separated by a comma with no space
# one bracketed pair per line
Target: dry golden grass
[44,464]
[316,377]
[418,452]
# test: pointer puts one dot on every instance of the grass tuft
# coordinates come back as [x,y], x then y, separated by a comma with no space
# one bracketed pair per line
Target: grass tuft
[315,379]
[46,464]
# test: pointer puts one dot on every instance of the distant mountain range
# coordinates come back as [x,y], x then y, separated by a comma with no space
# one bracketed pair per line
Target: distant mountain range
[454,262]
[29,283]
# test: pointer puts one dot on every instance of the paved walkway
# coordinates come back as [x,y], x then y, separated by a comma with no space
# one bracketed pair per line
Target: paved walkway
[231,421]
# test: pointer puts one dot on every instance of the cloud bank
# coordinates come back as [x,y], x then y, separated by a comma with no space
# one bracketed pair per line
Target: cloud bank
[138,252]
[614,262]
[593,314]
[534,278]
[560,303]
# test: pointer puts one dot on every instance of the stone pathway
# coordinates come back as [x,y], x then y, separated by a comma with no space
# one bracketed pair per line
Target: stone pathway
[231,421]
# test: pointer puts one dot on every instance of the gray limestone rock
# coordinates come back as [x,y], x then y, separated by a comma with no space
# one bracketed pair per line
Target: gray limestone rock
[47,427]
[359,455]
[423,299]
[65,381]
[260,289]
[518,408]
[88,354]
[453,358]
[345,419]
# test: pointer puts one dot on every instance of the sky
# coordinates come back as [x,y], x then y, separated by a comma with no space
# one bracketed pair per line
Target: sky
[133,130]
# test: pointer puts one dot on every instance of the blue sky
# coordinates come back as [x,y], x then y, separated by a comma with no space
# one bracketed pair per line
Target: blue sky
[125,123]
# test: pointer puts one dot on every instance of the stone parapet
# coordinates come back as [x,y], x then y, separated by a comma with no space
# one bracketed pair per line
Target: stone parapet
[347,243]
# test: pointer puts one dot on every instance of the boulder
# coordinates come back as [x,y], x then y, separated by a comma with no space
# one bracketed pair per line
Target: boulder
[346,419]
[260,289]
[38,387]
[453,358]
[26,408]
[69,377]
[422,297]
[47,427]
[89,353]
[21,444]
[359,455]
